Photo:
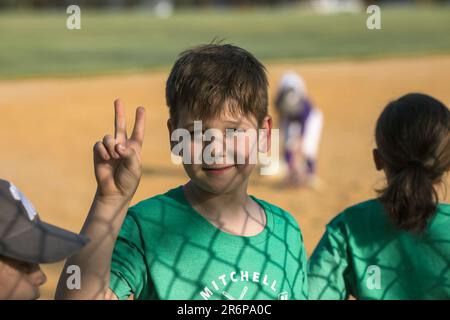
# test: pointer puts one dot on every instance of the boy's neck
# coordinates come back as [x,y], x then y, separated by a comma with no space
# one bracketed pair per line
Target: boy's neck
[228,201]
[234,212]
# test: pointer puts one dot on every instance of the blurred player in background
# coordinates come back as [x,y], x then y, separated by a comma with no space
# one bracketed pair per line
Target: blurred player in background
[301,126]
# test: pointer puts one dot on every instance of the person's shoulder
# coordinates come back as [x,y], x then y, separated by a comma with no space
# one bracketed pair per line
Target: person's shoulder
[358,217]
[357,210]
[156,207]
[279,214]
[366,207]
[441,220]
[444,208]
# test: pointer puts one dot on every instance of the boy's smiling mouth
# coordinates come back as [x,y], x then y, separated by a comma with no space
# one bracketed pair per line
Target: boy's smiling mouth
[217,169]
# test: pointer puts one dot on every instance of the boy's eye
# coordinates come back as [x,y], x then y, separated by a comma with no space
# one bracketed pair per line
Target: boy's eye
[237,129]
[195,133]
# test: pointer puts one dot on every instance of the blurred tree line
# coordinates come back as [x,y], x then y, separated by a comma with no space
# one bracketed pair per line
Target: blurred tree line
[134,3]
[175,3]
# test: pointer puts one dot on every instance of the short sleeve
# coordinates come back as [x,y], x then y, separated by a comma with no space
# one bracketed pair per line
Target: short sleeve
[128,267]
[328,266]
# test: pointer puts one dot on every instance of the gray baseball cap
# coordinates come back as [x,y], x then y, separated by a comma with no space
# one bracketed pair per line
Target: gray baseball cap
[24,237]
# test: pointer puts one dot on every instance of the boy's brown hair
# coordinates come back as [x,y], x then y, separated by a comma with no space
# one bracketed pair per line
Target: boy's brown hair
[208,77]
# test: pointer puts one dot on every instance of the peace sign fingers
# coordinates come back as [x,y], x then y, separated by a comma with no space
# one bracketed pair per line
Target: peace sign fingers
[120,124]
[139,126]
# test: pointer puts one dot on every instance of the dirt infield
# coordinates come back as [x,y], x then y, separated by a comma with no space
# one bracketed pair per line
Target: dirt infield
[48,128]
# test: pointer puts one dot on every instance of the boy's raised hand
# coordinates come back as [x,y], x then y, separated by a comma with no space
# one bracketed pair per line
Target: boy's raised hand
[117,159]
[117,164]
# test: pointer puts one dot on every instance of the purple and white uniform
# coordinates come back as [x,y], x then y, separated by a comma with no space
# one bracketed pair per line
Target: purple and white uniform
[301,123]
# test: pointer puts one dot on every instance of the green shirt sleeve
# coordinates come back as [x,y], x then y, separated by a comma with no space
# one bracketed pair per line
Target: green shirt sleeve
[128,267]
[328,266]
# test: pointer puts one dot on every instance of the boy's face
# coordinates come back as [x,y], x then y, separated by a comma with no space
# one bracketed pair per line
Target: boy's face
[225,177]
[20,280]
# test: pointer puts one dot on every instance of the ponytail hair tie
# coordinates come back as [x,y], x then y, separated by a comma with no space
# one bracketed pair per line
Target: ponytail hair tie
[416,164]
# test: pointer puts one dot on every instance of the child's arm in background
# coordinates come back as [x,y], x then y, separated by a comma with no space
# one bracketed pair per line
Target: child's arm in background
[328,266]
[117,166]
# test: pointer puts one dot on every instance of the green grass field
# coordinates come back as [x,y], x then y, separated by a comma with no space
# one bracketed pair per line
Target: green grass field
[38,44]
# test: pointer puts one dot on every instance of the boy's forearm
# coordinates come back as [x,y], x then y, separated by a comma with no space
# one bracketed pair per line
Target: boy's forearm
[102,226]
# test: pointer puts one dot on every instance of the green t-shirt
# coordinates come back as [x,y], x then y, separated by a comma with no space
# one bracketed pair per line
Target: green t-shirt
[167,250]
[362,254]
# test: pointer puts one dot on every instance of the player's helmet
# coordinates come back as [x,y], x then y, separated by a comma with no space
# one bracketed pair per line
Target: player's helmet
[291,91]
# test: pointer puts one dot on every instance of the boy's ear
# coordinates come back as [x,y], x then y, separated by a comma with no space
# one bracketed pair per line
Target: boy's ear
[377,159]
[170,127]
[265,138]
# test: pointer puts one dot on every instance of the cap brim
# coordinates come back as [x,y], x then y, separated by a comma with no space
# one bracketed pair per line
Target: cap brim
[44,243]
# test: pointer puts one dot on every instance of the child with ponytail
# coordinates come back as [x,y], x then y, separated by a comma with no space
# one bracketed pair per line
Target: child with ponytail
[396,246]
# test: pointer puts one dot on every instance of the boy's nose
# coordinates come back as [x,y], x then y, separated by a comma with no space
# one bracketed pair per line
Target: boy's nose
[217,145]
[38,277]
